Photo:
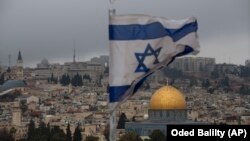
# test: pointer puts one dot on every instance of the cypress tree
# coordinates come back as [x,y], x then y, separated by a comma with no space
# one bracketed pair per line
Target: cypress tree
[68,133]
[77,134]
[121,121]
[75,80]
[52,77]
[67,79]
[2,79]
[80,81]
[31,130]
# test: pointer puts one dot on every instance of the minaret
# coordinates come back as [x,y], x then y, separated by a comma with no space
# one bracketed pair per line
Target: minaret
[19,67]
[16,114]
[9,60]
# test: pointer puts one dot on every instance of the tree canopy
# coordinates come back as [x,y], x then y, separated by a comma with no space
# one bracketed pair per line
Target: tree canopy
[5,135]
[157,135]
[130,136]
[68,133]
[45,132]
[77,80]
[65,80]
[91,138]
[77,134]
[121,121]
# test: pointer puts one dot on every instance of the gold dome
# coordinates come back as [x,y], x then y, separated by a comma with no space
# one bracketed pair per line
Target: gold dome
[167,97]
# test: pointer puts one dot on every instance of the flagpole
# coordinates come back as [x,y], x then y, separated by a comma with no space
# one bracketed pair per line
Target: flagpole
[112,115]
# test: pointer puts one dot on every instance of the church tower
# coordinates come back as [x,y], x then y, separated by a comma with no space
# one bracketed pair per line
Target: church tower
[16,114]
[19,67]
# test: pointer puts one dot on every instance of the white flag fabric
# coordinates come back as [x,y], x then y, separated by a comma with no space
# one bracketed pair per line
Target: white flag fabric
[140,45]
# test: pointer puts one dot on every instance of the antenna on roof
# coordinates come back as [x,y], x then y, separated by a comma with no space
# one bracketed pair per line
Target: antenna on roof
[74,56]
[9,59]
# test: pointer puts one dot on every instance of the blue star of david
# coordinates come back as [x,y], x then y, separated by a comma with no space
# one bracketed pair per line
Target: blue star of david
[149,51]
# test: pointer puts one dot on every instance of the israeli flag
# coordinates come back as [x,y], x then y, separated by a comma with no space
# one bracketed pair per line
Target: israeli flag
[140,45]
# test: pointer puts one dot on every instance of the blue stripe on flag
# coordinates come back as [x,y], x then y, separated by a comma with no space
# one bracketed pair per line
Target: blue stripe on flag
[149,31]
[177,34]
[116,92]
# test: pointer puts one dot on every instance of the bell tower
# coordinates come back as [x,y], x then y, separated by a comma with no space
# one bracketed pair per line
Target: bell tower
[19,67]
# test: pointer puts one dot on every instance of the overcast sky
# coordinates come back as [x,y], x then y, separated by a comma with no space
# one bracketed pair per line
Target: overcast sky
[47,28]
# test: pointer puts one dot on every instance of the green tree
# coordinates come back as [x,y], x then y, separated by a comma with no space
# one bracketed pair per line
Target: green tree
[106,132]
[42,127]
[121,121]
[193,82]
[157,135]
[130,136]
[68,133]
[5,135]
[8,70]
[215,74]
[91,138]
[65,80]
[244,90]
[55,80]
[52,77]
[210,90]
[45,133]
[86,77]
[225,82]
[205,83]
[48,131]
[13,131]
[244,71]
[23,106]
[31,131]
[77,134]
[59,136]
[79,79]
[2,79]
[76,80]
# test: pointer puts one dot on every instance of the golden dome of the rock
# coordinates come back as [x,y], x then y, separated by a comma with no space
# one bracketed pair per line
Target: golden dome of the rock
[167,97]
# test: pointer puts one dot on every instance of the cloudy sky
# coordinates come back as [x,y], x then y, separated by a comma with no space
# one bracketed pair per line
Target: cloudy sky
[48,28]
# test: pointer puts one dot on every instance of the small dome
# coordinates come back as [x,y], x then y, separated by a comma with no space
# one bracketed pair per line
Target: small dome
[167,97]
[45,62]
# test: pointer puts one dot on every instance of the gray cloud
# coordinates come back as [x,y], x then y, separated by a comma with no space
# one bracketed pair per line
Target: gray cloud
[47,28]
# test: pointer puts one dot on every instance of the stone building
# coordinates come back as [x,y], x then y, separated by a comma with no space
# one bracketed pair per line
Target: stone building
[194,64]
